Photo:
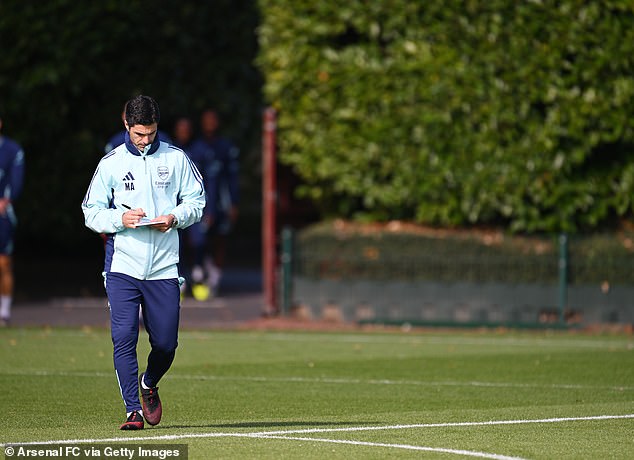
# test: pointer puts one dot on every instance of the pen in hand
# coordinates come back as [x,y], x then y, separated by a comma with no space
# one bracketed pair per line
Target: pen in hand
[134,216]
[135,211]
[143,221]
[130,209]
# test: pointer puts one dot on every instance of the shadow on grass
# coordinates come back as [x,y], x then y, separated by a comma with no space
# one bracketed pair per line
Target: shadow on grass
[262,425]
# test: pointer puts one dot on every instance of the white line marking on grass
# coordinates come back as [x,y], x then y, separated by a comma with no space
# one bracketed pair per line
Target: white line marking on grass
[326,380]
[455,424]
[284,433]
[468,453]
[558,341]
[350,381]
[49,373]
[266,436]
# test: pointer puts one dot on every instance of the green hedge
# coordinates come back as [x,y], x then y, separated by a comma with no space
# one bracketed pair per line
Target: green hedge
[457,112]
[346,251]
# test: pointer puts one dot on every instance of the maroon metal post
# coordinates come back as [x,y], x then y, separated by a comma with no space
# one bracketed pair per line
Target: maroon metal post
[269,200]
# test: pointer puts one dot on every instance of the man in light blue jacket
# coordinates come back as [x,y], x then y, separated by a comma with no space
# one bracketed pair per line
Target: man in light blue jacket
[141,192]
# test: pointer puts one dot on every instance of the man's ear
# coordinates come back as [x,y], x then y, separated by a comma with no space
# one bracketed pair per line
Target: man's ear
[127,128]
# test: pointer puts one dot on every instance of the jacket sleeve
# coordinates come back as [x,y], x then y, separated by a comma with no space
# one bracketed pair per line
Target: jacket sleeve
[98,214]
[17,176]
[191,199]
[233,170]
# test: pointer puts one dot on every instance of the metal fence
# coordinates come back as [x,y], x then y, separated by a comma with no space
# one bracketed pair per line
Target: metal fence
[548,281]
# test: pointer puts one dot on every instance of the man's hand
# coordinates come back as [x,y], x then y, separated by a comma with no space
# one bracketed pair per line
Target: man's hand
[164,223]
[4,204]
[233,214]
[132,217]
[207,221]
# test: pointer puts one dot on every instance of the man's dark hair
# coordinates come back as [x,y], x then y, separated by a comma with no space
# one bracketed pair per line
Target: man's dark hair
[142,110]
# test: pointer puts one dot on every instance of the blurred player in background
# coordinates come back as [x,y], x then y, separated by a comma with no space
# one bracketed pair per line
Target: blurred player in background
[183,134]
[218,160]
[11,180]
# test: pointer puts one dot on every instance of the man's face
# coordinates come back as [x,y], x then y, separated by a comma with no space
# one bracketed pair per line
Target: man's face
[183,131]
[209,123]
[142,135]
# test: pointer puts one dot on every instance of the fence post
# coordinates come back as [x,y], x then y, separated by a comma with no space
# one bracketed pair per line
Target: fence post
[287,269]
[563,276]
[269,202]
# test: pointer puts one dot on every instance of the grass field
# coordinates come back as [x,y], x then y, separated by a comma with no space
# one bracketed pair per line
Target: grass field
[309,395]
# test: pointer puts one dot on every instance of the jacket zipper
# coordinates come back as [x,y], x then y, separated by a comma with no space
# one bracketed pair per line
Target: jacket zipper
[148,180]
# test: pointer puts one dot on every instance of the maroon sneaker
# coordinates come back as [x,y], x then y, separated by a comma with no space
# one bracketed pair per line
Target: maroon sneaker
[134,422]
[152,409]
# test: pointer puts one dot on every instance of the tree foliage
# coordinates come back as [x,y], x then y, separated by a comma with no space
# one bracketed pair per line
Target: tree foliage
[457,112]
[67,68]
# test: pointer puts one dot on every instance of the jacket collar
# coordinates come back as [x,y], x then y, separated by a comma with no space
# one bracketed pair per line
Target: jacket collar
[134,151]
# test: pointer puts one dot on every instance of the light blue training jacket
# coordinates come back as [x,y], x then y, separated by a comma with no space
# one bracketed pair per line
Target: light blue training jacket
[162,180]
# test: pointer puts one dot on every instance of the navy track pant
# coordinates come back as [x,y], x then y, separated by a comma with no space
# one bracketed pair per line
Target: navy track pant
[160,305]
